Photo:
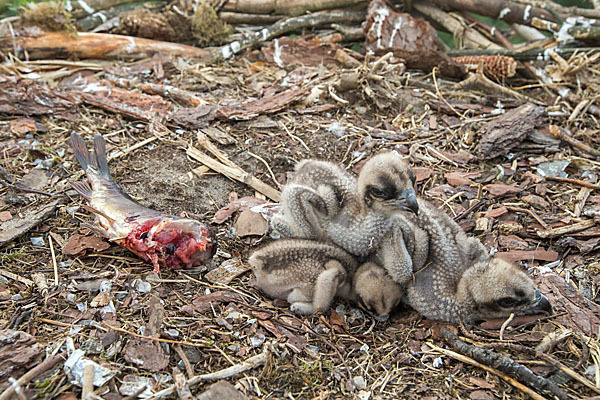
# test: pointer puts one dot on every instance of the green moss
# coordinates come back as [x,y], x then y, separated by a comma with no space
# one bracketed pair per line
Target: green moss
[207,28]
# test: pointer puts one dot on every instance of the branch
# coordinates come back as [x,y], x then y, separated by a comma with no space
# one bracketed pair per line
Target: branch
[285,26]
[44,366]
[504,365]
[504,10]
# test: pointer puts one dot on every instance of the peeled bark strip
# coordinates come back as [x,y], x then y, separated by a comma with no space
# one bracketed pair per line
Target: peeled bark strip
[95,45]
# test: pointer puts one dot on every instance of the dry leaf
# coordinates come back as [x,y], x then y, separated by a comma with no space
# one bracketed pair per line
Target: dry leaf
[501,189]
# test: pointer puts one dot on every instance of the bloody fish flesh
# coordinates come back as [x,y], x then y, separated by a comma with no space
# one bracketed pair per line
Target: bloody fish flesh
[162,239]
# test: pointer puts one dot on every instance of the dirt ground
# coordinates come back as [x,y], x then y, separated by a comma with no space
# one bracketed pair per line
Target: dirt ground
[344,353]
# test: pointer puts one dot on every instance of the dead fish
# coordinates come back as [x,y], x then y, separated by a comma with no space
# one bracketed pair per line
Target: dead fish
[162,239]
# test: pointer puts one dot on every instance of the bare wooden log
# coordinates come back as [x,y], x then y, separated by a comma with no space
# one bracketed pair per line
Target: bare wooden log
[95,45]
[452,23]
[504,10]
[296,7]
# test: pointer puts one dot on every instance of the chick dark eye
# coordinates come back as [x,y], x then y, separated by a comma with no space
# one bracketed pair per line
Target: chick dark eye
[377,193]
[507,302]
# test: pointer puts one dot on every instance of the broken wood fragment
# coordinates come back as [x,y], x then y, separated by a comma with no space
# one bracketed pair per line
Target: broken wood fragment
[237,174]
[580,226]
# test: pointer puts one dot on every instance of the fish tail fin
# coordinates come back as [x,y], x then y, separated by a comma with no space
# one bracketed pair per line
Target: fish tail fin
[83,189]
[100,158]
[81,152]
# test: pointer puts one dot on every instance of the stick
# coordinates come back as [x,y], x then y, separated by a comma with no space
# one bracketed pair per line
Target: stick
[16,277]
[237,174]
[287,25]
[559,134]
[44,366]
[580,226]
[549,359]
[574,181]
[504,365]
[504,10]
[295,7]
[54,264]
[470,361]
[250,363]
[88,381]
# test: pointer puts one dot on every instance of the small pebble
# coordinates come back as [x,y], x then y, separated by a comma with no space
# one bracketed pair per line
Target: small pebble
[359,382]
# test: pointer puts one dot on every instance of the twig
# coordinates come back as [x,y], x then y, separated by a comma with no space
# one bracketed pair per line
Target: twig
[54,264]
[580,226]
[88,381]
[186,362]
[250,363]
[530,212]
[559,134]
[44,366]
[262,160]
[16,277]
[479,81]
[505,324]
[156,339]
[181,385]
[503,365]
[579,182]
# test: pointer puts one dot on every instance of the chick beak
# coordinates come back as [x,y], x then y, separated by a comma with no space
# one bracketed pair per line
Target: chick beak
[539,304]
[408,201]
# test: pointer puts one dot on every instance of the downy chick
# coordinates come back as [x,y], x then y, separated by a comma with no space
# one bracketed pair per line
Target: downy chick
[308,274]
[374,290]
[461,281]
[324,202]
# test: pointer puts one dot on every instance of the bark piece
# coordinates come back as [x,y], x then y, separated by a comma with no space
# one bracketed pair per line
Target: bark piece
[409,38]
[17,226]
[500,136]
[25,97]
[234,205]
[227,271]
[18,353]
[205,303]
[146,353]
[528,255]
[121,101]
[78,244]
[572,309]
[221,390]
[265,105]
[304,50]
[250,223]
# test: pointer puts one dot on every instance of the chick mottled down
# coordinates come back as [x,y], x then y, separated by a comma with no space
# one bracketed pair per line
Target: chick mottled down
[462,282]
[309,275]
[306,273]
[324,202]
